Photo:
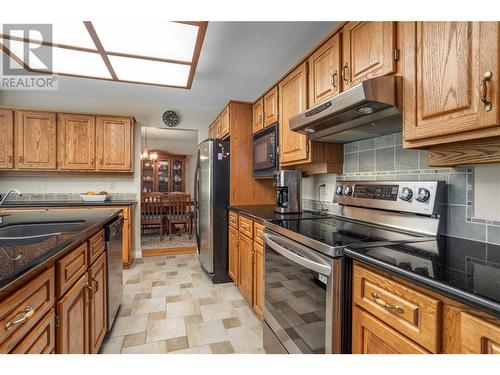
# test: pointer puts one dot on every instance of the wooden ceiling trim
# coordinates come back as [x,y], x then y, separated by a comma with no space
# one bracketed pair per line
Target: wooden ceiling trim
[100,48]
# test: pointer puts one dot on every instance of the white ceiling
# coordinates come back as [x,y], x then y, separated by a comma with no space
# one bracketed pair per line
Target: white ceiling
[239,60]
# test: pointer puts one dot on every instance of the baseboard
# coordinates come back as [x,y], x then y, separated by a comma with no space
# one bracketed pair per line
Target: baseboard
[169,251]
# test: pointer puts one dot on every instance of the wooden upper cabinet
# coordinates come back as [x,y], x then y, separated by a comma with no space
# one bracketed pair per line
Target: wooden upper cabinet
[114,143]
[324,71]
[258,115]
[443,88]
[6,139]
[477,336]
[294,147]
[35,140]
[224,124]
[270,103]
[76,141]
[368,50]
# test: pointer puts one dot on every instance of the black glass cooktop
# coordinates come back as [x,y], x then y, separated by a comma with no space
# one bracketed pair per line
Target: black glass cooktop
[336,232]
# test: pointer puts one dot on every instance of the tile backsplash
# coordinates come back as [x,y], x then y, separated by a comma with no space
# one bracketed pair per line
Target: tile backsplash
[383,158]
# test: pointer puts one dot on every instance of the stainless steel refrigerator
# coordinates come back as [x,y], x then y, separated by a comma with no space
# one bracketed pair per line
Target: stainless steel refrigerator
[212,200]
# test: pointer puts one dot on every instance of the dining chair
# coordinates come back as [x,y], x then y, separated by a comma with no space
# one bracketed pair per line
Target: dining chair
[179,212]
[152,212]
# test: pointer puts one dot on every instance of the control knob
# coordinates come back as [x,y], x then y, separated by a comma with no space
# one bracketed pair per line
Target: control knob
[406,194]
[423,195]
[348,190]
[338,191]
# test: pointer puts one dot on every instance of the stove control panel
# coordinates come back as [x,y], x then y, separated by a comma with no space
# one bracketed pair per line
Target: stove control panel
[421,197]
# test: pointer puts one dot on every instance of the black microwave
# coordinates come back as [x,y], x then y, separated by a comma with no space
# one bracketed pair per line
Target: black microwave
[265,155]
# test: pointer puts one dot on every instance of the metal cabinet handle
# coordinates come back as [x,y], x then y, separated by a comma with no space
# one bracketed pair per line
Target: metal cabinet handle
[334,79]
[20,159]
[388,306]
[91,161]
[96,288]
[28,313]
[345,72]
[10,158]
[484,91]
[91,292]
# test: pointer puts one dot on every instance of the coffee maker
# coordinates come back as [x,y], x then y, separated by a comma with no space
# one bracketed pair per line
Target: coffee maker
[288,191]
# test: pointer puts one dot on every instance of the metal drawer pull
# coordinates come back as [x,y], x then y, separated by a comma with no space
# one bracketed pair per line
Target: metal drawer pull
[386,305]
[484,91]
[96,288]
[28,313]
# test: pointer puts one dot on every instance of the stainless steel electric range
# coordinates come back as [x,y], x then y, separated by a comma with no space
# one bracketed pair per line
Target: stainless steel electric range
[306,308]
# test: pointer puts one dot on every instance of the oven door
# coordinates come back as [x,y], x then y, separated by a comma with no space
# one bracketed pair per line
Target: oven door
[302,305]
[264,152]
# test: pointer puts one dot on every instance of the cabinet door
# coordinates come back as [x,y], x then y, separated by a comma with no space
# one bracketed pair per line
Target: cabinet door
[246,267]
[451,61]
[258,115]
[73,312]
[368,51]
[35,140]
[324,70]
[114,143]
[234,262]
[6,139]
[371,336]
[477,336]
[97,308]
[225,127]
[271,107]
[76,141]
[294,147]
[258,279]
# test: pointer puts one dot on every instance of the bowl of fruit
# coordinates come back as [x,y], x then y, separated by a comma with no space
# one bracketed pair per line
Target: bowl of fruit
[92,196]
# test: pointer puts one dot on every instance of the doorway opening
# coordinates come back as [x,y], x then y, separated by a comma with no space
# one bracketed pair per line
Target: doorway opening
[168,164]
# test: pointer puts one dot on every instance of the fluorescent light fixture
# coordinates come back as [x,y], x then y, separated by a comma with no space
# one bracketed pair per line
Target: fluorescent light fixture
[164,40]
[148,71]
[156,53]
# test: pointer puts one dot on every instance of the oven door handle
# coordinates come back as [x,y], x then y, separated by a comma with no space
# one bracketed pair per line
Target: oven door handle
[301,256]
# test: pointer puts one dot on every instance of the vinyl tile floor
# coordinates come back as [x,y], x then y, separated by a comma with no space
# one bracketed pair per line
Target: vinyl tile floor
[171,306]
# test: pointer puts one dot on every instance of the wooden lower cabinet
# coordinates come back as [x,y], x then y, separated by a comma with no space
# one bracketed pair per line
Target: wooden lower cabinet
[478,336]
[233,255]
[246,267]
[41,339]
[371,336]
[73,313]
[97,306]
[258,279]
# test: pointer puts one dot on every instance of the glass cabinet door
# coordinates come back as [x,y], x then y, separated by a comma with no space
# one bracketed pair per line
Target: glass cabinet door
[147,176]
[163,175]
[178,175]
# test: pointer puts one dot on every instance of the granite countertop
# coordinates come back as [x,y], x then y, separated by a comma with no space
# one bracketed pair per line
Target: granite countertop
[19,259]
[266,212]
[79,203]
[464,270]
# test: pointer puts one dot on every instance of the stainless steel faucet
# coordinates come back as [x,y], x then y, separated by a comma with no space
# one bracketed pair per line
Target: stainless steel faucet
[8,193]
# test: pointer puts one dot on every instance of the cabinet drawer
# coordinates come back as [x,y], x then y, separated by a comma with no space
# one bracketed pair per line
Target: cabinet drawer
[407,310]
[258,233]
[96,246]
[478,336]
[233,219]
[246,226]
[20,311]
[71,268]
[41,339]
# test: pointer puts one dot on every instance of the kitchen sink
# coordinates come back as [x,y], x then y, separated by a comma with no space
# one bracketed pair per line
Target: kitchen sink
[24,234]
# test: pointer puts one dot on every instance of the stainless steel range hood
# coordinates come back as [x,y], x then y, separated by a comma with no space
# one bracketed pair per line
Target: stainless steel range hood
[367,110]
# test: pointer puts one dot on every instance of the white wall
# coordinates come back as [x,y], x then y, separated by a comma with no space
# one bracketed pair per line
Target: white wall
[487,192]
[145,114]
[311,184]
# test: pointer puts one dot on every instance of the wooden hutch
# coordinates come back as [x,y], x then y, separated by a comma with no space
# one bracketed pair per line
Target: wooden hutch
[164,174]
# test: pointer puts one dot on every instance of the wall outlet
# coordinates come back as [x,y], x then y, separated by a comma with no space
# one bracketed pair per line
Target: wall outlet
[112,185]
[41,185]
